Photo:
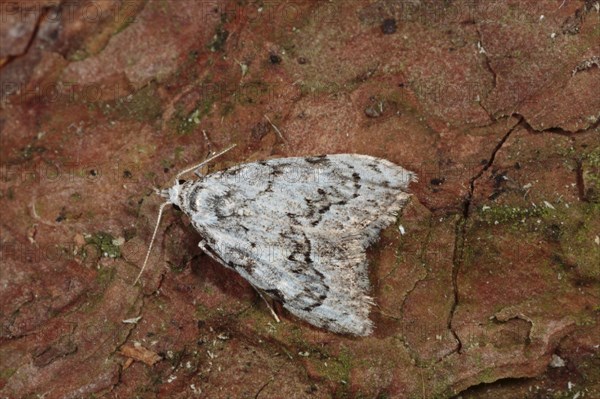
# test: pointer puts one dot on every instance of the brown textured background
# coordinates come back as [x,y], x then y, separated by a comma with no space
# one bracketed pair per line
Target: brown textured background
[494,104]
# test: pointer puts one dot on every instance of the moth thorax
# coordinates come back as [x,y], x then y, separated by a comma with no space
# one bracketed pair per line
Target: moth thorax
[180,192]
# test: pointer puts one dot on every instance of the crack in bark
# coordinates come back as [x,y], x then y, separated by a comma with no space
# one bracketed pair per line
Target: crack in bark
[579,181]
[589,63]
[486,58]
[461,231]
[263,387]
[421,258]
[555,129]
[423,262]
[488,113]
[516,316]
[38,23]
[461,226]
[488,67]
[413,355]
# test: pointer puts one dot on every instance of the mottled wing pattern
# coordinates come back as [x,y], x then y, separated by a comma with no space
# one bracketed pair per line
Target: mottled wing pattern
[298,228]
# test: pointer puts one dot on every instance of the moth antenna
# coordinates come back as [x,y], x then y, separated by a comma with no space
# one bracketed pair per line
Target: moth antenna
[160,212]
[183,172]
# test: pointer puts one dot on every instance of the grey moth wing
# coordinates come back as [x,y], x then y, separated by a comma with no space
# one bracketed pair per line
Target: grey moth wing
[298,228]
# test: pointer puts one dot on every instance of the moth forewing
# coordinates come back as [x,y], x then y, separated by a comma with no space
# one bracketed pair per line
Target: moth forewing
[318,214]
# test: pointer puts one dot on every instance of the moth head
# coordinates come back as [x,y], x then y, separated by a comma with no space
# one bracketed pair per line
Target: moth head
[172,194]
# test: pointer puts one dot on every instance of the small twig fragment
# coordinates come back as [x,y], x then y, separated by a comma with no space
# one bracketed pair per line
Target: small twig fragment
[141,354]
[276,129]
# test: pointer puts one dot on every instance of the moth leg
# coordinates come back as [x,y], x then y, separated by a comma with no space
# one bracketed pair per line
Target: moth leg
[209,252]
[212,254]
[208,143]
[267,303]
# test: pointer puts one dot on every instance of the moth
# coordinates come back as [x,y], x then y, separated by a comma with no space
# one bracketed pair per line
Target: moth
[298,228]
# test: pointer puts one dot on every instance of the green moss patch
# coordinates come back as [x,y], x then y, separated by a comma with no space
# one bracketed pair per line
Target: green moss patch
[106,243]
